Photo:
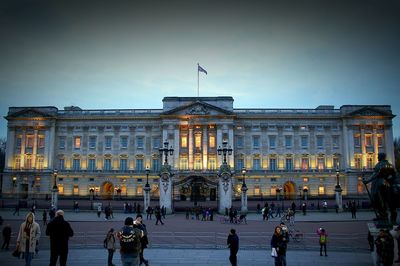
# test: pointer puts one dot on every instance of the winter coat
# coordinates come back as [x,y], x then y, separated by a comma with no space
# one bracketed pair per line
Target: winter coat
[34,236]
[59,231]
[110,241]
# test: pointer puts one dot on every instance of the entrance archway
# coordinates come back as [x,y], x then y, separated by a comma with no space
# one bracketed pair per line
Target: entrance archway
[107,190]
[289,190]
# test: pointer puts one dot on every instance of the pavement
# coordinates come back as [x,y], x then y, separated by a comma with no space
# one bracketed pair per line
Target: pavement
[176,255]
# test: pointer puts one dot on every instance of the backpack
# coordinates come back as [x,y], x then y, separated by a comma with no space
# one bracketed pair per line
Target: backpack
[322,239]
[129,239]
[105,242]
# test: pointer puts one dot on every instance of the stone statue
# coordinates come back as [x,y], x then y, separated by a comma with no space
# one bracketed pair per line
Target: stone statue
[383,194]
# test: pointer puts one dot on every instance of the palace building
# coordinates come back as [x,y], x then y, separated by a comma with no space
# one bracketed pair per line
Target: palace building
[106,152]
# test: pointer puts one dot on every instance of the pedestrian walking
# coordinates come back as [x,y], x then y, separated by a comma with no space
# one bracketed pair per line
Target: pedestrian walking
[28,235]
[109,244]
[233,245]
[353,209]
[130,244]
[59,232]
[323,237]
[158,215]
[44,215]
[98,210]
[52,213]
[370,241]
[16,210]
[279,243]
[6,236]
[144,241]
[384,248]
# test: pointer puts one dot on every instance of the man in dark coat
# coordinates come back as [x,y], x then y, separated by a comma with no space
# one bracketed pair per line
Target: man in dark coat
[233,244]
[59,232]
[6,236]
[144,241]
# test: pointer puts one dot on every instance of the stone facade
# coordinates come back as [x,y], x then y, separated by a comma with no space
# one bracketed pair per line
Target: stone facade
[106,152]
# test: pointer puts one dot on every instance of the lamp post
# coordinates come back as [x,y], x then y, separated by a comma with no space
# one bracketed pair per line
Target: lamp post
[338,191]
[224,150]
[54,193]
[165,151]
[147,190]
[244,190]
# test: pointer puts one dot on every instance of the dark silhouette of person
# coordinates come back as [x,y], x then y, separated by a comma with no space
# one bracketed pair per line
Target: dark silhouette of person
[233,244]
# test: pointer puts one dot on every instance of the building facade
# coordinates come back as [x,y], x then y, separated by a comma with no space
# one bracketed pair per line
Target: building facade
[106,152]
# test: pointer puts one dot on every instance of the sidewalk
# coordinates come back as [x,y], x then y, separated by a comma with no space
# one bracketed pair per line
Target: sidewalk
[199,257]
[91,216]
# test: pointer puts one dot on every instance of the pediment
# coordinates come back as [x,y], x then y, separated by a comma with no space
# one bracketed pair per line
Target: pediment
[198,108]
[370,111]
[29,113]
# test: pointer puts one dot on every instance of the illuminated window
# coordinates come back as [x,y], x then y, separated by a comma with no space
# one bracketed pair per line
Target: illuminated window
[183,141]
[60,188]
[76,190]
[273,191]
[212,141]
[370,164]
[40,161]
[357,162]
[28,162]
[29,141]
[257,190]
[183,163]
[212,162]
[357,140]
[77,142]
[304,163]
[368,140]
[380,141]
[360,185]
[17,162]
[321,190]
[41,142]
[197,163]
[321,163]
[305,179]
[139,190]
[197,140]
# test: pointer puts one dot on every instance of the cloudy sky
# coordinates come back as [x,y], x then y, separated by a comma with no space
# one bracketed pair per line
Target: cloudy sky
[271,54]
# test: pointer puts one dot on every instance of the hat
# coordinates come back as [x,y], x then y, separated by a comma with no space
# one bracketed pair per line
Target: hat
[129,221]
[139,216]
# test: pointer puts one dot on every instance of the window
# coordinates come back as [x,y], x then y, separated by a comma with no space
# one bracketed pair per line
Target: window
[61,163]
[239,141]
[156,165]
[272,141]
[92,142]
[288,141]
[212,141]
[92,164]
[40,161]
[304,163]
[198,163]
[257,190]
[28,162]
[139,190]
[370,164]
[183,163]
[61,144]
[29,144]
[140,142]
[124,142]
[304,141]
[368,140]
[76,164]
[239,164]
[139,164]
[107,164]
[41,142]
[272,164]
[156,143]
[357,162]
[256,164]
[321,163]
[320,141]
[123,164]
[357,141]
[197,141]
[108,142]
[77,142]
[256,141]
[335,141]
[336,162]
[18,143]
[212,162]
[183,141]
[321,190]
[289,164]
[17,162]
[76,190]
[380,141]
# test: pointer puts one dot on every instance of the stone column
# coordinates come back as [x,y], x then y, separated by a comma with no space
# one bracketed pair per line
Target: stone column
[10,149]
[35,148]
[363,148]
[345,148]
[50,145]
[176,147]
[351,145]
[219,142]
[231,144]
[190,148]
[205,147]
[23,141]
[376,148]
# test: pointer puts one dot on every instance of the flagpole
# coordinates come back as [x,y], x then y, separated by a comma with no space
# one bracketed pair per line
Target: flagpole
[198,85]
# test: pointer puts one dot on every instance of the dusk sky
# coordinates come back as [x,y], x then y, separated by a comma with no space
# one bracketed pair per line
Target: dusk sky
[265,54]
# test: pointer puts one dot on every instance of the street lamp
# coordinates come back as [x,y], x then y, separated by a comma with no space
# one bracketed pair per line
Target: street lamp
[244,190]
[54,193]
[147,190]
[338,190]
[165,151]
[225,150]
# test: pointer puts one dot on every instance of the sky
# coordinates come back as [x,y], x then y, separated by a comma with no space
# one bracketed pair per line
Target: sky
[265,54]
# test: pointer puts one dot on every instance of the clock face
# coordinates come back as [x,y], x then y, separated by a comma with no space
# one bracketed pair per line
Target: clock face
[225,176]
[165,177]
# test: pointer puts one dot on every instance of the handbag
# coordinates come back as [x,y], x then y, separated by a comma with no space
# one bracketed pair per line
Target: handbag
[16,253]
[274,253]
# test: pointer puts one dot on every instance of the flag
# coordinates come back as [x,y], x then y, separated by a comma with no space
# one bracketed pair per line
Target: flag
[200,69]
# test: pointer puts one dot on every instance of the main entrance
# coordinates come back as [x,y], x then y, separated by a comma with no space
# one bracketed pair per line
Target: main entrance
[195,190]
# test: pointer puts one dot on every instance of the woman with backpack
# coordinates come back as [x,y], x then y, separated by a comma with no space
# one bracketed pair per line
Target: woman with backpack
[322,240]
[109,244]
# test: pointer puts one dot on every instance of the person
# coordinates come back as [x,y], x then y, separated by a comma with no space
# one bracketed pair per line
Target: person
[384,248]
[323,235]
[325,206]
[279,242]
[6,236]
[304,208]
[396,235]
[110,245]
[382,180]
[44,218]
[16,210]
[144,241]
[130,243]
[28,235]
[158,215]
[233,245]
[52,213]
[353,209]
[370,241]
[59,232]
[98,210]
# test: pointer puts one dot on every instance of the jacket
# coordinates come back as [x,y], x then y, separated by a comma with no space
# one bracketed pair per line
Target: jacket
[34,236]
[59,232]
